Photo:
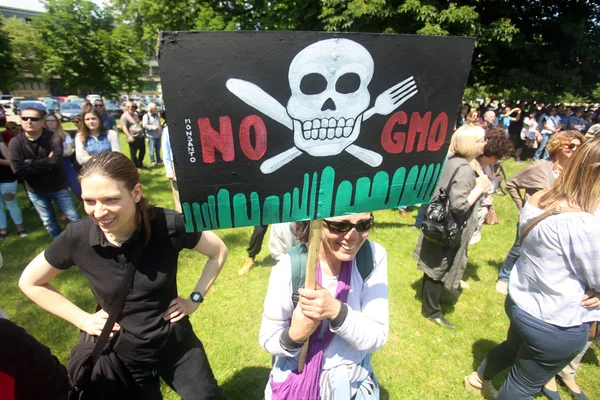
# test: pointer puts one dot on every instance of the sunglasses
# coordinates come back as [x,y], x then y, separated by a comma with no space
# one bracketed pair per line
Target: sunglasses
[76,121]
[98,105]
[345,226]
[34,119]
[572,146]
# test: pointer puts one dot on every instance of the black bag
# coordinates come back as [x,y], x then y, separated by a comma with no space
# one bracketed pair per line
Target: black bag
[86,353]
[439,226]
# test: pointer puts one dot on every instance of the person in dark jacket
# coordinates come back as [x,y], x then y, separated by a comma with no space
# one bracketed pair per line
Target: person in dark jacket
[444,266]
[35,155]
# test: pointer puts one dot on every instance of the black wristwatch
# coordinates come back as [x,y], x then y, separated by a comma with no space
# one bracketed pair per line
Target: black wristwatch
[197,297]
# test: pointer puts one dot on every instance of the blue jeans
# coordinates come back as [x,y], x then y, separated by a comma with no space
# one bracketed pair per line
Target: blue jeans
[535,350]
[9,188]
[511,258]
[420,215]
[72,177]
[43,205]
[154,148]
[542,147]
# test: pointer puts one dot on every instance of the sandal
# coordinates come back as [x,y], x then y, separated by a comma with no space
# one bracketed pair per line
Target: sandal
[3,235]
[23,233]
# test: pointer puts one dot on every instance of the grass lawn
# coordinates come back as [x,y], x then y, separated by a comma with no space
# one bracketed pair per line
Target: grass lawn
[420,360]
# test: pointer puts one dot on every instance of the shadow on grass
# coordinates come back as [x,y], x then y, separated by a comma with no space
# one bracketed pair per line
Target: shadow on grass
[266,262]
[591,357]
[480,349]
[249,383]
[393,225]
[471,273]
[495,263]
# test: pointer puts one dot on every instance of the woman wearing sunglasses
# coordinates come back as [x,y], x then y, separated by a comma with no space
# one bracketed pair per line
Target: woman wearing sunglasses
[443,267]
[553,291]
[345,316]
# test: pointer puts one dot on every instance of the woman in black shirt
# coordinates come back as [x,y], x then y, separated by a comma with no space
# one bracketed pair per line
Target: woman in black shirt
[153,336]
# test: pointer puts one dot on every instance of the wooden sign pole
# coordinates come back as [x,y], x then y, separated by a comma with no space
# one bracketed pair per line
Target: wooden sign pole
[314,247]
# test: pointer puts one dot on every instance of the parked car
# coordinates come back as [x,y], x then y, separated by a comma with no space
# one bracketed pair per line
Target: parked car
[15,103]
[23,104]
[69,110]
[51,104]
[93,97]
[5,100]
[76,100]
[113,109]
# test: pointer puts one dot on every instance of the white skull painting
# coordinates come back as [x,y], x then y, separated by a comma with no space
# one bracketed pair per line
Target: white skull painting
[329,82]
[329,102]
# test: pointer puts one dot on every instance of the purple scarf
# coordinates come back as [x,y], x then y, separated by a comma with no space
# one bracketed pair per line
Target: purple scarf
[305,386]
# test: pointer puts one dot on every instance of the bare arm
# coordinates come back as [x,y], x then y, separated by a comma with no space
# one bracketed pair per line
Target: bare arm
[81,155]
[213,247]
[4,151]
[35,283]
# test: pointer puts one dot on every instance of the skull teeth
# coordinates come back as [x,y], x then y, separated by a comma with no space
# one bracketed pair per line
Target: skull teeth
[327,128]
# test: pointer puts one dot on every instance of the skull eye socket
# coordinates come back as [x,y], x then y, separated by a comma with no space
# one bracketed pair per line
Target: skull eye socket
[313,84]
[348,83]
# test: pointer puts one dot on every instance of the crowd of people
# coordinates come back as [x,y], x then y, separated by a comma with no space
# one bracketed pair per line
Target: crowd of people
[128,251]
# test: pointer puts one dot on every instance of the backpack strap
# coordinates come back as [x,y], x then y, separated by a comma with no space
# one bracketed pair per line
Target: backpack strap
[298,256]
[364,260]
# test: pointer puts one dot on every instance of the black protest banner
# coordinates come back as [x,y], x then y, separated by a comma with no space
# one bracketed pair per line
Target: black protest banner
[270,127]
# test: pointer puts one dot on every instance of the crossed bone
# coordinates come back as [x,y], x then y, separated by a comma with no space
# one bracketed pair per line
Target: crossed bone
[257,98]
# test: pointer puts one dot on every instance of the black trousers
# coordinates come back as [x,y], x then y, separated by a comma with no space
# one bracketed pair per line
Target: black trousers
[432,290]
[256,240]
[191,377]
[137,151]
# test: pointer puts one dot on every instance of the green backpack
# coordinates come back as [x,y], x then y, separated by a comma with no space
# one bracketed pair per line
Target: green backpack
[298,255]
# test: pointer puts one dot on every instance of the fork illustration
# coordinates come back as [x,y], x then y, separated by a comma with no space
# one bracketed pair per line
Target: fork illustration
[392,98]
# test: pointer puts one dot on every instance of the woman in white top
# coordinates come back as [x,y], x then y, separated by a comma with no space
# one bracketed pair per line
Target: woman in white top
[346,317]
[54,124]
[93,138]
[553,289]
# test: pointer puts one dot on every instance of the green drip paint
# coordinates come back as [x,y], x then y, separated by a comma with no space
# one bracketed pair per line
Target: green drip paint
[212,211]
[187,213]
[240,210]
[325,193]
[198,217]
[271,210]
[397,187]
[301,203]
[286,212]
[206,216]
[224,209]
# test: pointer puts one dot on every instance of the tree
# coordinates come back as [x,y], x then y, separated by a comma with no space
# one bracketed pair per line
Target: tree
[25,41]
[8,69]
[88,47]
[526,49]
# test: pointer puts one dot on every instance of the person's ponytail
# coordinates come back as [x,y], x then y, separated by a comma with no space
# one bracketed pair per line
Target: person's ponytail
[143,217]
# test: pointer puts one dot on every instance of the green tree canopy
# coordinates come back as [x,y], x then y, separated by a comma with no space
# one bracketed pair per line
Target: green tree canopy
[524,49]
[8,66]
[25,41]
[88,47]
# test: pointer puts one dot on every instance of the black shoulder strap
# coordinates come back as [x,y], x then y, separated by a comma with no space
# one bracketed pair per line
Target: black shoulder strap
[119,303]
[364,260]
[452,179]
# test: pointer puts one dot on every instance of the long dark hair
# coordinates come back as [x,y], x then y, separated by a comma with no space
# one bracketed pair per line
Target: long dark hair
[84,130]
[118,167]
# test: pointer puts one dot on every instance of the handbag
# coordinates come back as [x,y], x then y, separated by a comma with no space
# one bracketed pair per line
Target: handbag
[439,226]
[594,326]
[492,217]
[88,350]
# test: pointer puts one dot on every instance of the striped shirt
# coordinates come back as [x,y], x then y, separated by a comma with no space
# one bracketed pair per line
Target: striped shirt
[560,261]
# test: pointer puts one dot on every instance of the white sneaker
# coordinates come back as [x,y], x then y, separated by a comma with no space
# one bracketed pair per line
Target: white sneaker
[502,287]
